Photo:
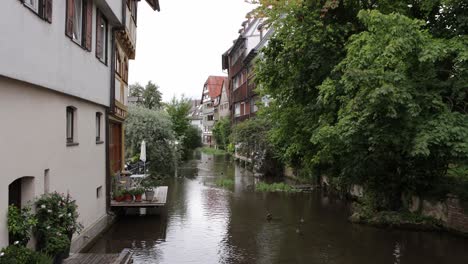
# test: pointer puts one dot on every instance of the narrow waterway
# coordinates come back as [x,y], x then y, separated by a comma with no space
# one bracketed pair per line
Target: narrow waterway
[206,224]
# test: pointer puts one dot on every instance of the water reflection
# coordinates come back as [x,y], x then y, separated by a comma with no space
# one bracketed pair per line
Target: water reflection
[206,224]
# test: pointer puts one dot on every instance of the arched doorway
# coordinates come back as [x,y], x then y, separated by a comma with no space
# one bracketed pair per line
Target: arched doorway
[21,191]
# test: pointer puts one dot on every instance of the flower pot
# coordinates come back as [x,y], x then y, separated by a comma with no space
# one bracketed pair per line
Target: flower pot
[138,197]
[119,198]
[128,197]
[149,195]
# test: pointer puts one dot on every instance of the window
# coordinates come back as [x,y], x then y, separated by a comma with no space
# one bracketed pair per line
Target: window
[79,22]
[238,80]
[253,106]
[118,62]
[98,127]
[33,4]
[71,123]
[125,70]
[98,192]
[101,37]
[46,181]
[237,109]
[43,8]
[210,118]
[132,6]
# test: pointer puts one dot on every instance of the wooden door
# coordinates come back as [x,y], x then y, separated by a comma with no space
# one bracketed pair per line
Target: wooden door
[115,146]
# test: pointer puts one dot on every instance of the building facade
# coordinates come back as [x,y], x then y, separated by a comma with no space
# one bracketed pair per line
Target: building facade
[123,50]
[221,103]
[56,81]
[211,91]
[195,115]
[238,61]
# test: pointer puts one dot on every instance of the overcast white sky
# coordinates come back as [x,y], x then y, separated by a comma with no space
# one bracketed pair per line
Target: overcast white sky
[179,47]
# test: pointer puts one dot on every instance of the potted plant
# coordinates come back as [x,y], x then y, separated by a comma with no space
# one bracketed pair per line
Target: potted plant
[118,195]
[20,224]
[127,195]
[138,192]
[148,184]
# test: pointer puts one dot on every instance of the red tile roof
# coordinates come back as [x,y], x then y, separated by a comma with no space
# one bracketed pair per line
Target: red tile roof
[215,85]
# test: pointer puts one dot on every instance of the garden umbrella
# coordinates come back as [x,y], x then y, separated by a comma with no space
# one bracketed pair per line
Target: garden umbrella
[143,155]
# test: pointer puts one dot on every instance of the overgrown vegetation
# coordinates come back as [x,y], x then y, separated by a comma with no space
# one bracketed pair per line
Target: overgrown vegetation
[274,187]
[225,183]
[221,132]
[149,96]
[373,93]
[213,151]
[187,135]
[16,254]
[155,127]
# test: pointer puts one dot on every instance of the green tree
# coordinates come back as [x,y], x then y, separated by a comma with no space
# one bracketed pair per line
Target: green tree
[179,110]
[374,97]
[155,127]
[221,132]
[136,90]
[152,97]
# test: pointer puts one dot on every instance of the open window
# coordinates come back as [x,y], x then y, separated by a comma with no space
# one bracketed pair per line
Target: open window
[79,21]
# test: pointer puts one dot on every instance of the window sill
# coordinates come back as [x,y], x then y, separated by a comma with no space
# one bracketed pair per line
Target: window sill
[77,42]
[36,12]
[99,142]
[103,61]
[72,144]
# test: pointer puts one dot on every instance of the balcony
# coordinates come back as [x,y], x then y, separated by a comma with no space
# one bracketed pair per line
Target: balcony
[120,110]
[127,37]
[240,94]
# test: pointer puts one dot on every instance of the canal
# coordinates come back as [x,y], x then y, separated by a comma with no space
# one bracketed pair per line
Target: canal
[207,224]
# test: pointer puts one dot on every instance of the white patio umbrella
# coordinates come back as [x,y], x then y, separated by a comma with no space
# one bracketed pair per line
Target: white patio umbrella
[143,155]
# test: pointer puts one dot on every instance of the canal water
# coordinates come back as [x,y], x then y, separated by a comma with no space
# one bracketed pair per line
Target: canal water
[206,224]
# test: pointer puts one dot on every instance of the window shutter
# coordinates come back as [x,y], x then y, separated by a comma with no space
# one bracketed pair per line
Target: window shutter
[48,10]
[69,19]
[89,24]
[98,35]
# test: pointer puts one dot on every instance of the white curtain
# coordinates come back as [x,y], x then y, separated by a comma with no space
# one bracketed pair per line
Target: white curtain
[78,21]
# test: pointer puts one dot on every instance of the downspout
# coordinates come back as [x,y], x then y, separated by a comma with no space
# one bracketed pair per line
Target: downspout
[109,112]
[111,108]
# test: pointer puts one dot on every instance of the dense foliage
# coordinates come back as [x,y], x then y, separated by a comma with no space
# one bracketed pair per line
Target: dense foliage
[369,92]
[16,254]
[57,221]
[221,132]
[20,224]
[187,135]
[149,96]
[155,127]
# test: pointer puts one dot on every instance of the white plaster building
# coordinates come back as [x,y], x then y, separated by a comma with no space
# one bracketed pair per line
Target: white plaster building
[55,91]
[211,91]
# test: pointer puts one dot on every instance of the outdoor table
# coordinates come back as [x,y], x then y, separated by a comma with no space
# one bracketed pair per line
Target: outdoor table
[135,180]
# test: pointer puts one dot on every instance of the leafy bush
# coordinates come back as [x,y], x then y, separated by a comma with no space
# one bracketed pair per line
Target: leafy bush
[221,132]
[224,183]
[274,187]
[20,224]
[155,127]
[375,97]
[16,254]
[213,151]
[192,138]
[57,222]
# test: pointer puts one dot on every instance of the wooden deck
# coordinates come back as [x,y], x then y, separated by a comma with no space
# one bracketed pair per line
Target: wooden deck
[160,197]
[124,257]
